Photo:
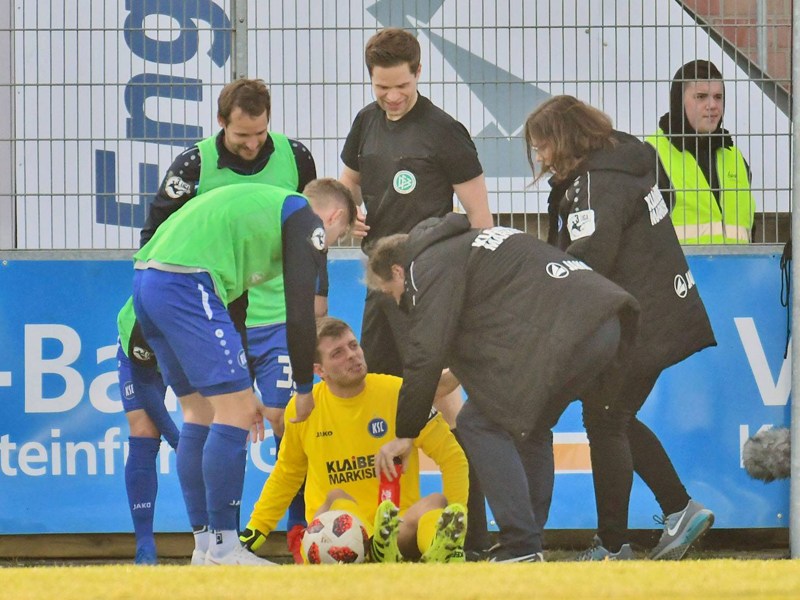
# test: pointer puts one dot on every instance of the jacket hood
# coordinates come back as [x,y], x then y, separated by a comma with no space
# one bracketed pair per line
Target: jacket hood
[675,124]
[628,155]
[434,230]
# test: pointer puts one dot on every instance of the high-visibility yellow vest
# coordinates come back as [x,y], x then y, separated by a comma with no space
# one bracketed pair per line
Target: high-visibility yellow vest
[696,215]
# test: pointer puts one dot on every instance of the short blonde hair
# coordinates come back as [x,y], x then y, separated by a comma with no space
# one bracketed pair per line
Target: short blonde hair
[328,187]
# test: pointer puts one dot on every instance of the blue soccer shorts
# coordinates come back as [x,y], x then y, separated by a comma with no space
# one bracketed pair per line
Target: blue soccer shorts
[189,329]
[269,358]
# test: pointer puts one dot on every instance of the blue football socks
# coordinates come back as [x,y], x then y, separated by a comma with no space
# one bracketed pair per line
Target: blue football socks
[189,464]
[141,483]
[224,459]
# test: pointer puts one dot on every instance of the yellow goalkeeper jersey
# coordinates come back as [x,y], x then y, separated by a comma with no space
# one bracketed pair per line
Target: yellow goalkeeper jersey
[336,446]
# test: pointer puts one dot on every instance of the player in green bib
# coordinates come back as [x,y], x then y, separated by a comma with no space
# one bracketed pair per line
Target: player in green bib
[204,256]
[243,151]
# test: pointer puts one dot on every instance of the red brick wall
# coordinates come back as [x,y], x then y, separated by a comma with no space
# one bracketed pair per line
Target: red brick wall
[737,21]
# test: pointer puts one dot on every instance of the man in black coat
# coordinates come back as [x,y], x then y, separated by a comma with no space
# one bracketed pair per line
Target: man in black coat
[521,325]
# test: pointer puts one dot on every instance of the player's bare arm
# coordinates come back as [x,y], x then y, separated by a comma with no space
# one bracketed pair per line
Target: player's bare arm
[352,179]
[304,404]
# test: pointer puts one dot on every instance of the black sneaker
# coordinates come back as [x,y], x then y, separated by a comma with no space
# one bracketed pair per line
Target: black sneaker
[477,555]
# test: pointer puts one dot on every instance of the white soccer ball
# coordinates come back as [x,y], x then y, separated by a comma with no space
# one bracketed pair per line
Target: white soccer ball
[336,536]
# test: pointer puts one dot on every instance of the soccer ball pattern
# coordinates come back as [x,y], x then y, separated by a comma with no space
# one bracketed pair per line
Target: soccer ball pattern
[335,537]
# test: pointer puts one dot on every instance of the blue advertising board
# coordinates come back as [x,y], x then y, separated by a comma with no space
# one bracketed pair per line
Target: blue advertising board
[63,437]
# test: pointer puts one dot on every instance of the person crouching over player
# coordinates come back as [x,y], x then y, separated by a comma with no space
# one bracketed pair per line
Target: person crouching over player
[334,449]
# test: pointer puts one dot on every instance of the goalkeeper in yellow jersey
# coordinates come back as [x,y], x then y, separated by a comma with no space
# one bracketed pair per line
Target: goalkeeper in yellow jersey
[334,452]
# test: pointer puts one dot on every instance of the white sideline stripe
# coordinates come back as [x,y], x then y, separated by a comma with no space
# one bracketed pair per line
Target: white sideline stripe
[572,437]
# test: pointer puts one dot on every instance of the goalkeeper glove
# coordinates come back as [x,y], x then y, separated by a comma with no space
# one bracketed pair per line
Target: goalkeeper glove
[252,538]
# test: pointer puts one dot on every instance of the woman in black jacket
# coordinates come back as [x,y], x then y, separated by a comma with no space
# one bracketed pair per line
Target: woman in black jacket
[606,209]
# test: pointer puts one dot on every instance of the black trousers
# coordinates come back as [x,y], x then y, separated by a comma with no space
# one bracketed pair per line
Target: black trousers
[516,469]
[383,334]
[619,444]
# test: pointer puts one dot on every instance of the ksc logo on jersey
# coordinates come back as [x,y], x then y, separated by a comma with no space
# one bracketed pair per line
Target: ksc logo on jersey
[175,187]
[404,182]
[378,428]
[127,390]
[242,358]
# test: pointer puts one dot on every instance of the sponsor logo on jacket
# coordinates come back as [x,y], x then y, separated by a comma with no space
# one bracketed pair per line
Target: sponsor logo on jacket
[560,270]
[432,414]
[656,205]
[683,283]
[492,238]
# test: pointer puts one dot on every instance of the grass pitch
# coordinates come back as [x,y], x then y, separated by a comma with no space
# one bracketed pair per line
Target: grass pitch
[685,580]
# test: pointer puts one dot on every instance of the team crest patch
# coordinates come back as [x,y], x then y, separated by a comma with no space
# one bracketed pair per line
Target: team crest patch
[404,182]
[318,239]
[142,354]
[242,358]
[580,224]
[378,427]
[175,187]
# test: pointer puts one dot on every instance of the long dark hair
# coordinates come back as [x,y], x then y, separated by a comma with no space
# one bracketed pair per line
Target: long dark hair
[571,129]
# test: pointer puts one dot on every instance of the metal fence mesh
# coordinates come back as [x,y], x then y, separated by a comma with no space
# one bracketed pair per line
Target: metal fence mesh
[102,96]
